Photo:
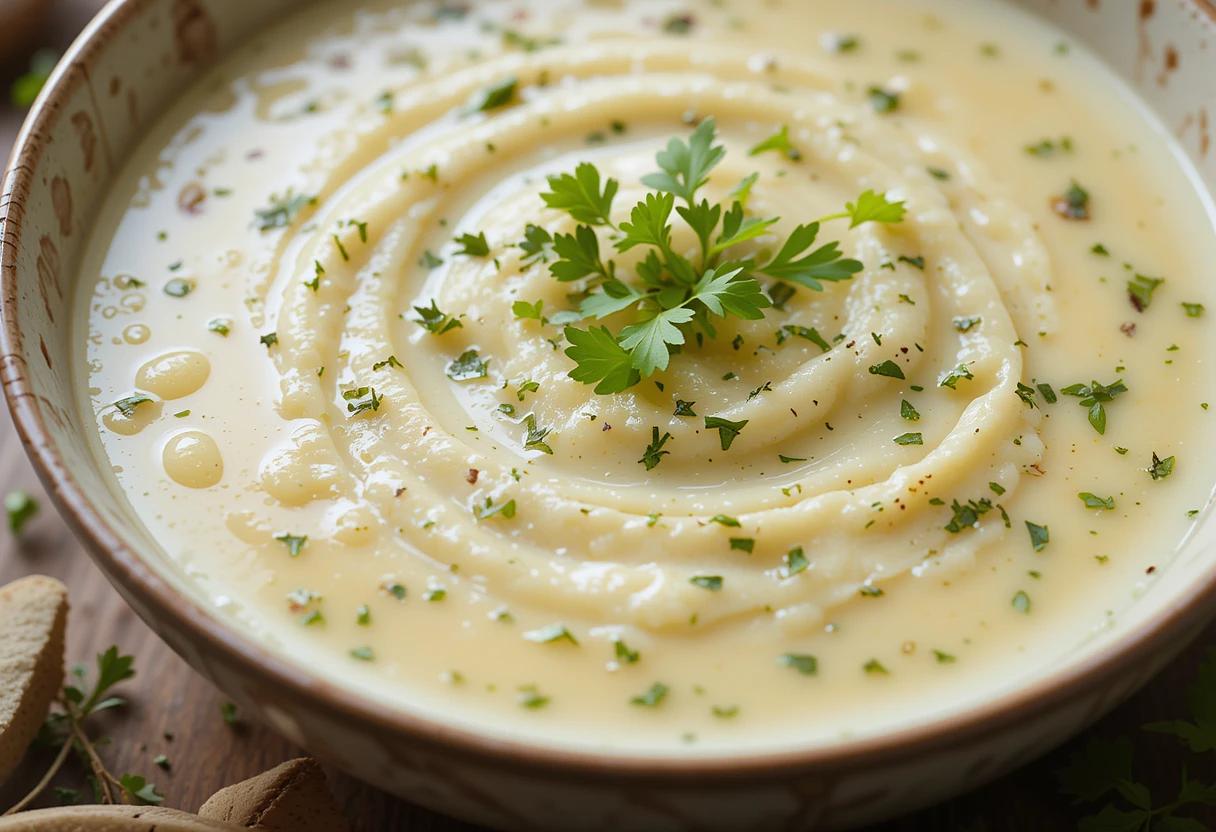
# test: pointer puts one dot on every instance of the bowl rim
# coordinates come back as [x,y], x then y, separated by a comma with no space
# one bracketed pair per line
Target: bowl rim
[130,573]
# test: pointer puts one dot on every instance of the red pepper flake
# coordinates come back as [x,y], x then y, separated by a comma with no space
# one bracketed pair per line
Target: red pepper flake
[471,477]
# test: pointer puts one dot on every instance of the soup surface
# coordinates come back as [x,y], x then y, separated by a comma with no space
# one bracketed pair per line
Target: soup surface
[659,376]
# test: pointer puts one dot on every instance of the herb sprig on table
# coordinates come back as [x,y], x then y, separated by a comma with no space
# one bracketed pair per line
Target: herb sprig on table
[65,729]
[669,293]
[1103,771]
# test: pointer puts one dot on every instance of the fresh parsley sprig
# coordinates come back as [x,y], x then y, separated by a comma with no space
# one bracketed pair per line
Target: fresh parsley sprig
[668,292]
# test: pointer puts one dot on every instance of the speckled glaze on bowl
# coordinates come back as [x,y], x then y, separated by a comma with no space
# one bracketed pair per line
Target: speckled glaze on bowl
[133,59]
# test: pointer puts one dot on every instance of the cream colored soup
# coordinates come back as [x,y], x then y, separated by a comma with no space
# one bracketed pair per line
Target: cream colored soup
[911,504]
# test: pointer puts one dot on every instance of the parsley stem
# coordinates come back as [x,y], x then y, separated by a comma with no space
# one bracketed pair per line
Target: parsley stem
[43,783]
[839,215]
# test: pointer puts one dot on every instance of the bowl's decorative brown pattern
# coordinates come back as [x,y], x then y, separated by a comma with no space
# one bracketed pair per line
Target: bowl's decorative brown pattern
[124,68]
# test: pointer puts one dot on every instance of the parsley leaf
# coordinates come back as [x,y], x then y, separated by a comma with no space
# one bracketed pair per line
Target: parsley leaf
[537,244]
[578,255]
[874,207]
[600,359]
[686,166]
[648,341]
[824,263]
[580,195]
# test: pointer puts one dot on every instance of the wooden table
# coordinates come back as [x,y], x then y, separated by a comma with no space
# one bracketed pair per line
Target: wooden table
[167,697]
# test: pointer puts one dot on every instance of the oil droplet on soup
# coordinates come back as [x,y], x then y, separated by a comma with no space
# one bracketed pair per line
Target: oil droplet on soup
[192,459]
[136,334]
[174,374]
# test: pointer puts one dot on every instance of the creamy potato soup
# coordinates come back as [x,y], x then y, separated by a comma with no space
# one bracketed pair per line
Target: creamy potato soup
[659,376]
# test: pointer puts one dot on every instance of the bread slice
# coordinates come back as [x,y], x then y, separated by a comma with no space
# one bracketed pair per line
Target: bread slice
[111,819]
[291,797]
[33,621]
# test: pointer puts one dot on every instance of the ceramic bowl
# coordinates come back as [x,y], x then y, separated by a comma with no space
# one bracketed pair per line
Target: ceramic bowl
[135,58]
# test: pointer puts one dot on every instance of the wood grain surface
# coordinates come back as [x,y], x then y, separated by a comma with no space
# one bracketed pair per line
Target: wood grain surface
[167,699]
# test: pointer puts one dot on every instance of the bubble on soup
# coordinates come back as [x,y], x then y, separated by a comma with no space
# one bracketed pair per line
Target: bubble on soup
[174,374]
[192,459]
[136,334]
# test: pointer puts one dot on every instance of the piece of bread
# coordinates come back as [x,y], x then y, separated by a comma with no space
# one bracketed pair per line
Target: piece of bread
[33,619]
[110,819]
[291,797]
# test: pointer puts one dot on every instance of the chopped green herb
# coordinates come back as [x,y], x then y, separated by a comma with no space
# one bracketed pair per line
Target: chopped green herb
[951,378]
[1159,468]
[361,400]
[1094,397]
[804,663]
[535,440]
[467,367]
[494,96]
[780,142]
[623,653]
[1039,535]
[653,696]
[550,634]
[294,543]
[654,452]
[711,582]
[489,510]
[283,210]
[531,698]
[435,321]
[1140,290]
[909,439]
[795,561]
[727,430]
[1074,204]
[883,101]
[20,508]
[1094,501]
[473,245]
[887,368]
[1021,602]
[875,668]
